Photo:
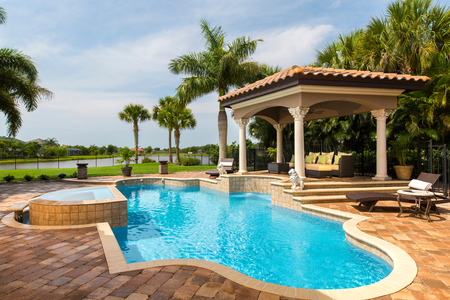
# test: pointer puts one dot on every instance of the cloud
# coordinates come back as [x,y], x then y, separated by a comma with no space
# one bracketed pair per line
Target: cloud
[336,4]
[291,46]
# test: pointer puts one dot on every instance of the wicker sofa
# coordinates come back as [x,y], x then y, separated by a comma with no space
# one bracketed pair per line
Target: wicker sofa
[345,168]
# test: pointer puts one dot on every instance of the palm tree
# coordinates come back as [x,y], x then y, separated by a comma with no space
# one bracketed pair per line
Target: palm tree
[162,114]
[220,67]
[18,83]
[183,119]
[340,54]
[134,113]
[411,37]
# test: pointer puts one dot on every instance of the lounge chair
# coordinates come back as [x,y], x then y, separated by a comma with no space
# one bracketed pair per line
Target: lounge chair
[370,199]
[227,164]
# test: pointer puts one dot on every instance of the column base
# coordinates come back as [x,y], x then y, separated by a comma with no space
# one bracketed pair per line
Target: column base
[241,172]
[381,178]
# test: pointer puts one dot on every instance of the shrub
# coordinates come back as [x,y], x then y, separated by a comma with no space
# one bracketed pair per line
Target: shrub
[44,177]
[147,160]
[8,178]
[28,177]
[191,161]
[74,175]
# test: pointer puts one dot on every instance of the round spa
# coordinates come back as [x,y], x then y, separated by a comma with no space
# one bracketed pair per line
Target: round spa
[80,206]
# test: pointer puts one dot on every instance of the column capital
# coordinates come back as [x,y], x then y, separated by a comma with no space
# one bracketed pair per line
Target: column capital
[298,112]
[242,122]
[381,114]
[279,127]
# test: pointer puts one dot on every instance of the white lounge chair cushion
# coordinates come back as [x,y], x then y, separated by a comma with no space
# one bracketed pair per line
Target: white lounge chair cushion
[227,163]
[419,185]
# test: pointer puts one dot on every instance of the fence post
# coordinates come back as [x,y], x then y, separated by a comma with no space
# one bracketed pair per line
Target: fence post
[444,170]
[37,162]
[419,152]
[58,161]
[430,156]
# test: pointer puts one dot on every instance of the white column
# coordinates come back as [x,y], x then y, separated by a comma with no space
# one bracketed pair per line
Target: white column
[381,116]
[279,129]
[242,123]
[299,113]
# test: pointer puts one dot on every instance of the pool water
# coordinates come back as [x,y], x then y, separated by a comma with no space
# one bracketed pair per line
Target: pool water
[80,194]
[245,232]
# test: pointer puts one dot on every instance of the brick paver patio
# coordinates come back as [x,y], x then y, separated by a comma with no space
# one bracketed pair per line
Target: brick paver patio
[70,263]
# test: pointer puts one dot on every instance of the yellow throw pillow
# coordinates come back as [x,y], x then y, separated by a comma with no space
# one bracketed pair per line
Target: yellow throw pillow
[309,159]
[343,153]
[322,159]
[329,157]
[316,155]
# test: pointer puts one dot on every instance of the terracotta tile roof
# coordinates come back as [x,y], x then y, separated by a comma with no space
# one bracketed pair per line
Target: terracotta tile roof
[302,71]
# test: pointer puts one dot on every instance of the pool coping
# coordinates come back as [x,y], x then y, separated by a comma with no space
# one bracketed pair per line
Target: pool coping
[403,273]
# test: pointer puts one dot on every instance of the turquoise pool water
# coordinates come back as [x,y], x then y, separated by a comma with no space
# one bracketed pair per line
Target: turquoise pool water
[244,232]
[80,194]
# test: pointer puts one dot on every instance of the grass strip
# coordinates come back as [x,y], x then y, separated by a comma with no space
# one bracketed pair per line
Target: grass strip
[148,168]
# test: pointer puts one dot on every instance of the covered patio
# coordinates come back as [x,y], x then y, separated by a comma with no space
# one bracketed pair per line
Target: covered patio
[299,94]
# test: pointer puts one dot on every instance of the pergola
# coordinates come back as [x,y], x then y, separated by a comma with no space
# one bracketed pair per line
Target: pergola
[299,94]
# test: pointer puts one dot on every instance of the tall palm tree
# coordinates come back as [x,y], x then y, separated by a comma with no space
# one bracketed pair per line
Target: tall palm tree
[162,114]
[135,113]
[183,119]
[220,67]
[18,83]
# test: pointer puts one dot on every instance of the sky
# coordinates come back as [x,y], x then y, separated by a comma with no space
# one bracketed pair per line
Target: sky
[99,56]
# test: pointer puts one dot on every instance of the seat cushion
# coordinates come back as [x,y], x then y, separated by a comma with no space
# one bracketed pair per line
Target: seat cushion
[318,167]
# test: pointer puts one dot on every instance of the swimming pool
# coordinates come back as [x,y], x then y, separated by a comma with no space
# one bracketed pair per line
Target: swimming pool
[245,232]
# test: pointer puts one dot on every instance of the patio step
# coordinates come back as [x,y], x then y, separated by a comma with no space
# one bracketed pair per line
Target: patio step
[360,184]
[329,192]
[343,191]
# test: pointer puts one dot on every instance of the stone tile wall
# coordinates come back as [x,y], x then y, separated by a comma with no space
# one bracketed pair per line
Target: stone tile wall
[114,213]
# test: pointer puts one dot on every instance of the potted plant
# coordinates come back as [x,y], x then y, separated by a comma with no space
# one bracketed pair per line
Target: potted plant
[400,150]
[127,158]
[272,153]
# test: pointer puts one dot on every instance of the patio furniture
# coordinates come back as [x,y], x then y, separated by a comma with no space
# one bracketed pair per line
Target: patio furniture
[418,197]
[345,167]
[370,199]
[227,164]
[278,167]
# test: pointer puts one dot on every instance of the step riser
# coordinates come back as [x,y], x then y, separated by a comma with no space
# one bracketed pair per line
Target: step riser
[346,191]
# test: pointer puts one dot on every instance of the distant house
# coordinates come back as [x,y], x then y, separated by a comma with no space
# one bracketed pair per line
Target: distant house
[140,150]
[39,141]
[74,151]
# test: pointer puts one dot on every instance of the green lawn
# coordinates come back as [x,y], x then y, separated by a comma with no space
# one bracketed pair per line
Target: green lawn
[149,168]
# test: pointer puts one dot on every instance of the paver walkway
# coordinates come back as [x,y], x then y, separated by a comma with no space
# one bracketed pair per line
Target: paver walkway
[70,263]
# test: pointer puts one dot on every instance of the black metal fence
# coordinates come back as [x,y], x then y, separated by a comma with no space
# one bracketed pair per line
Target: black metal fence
[435,159]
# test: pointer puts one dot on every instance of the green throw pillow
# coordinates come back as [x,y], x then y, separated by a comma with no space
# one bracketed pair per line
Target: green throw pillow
[336,159]
[322,159]
[309,159]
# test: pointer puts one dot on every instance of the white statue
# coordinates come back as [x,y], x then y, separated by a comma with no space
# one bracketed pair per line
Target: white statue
[297,182]
[221,169]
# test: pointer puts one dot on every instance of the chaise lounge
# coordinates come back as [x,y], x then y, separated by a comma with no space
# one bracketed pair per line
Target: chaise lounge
[370,199]
[227,164]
